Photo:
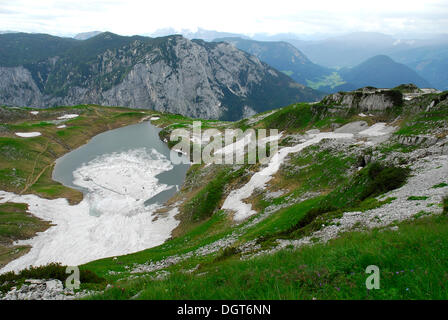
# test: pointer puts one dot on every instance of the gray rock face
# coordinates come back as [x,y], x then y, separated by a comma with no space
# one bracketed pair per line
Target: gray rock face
[425,140]
[172,74]
[36,289]
[366,100]
[18,88]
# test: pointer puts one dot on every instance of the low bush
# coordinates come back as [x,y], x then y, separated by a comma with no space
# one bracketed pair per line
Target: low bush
[384,179]
[445,205]
[50,271]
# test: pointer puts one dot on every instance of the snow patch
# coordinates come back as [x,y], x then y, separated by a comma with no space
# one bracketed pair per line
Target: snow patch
[68,116]
[28,134]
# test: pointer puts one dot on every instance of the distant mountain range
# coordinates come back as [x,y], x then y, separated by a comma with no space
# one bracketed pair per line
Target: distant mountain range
[172,74]
[283,56]
[379,71]
[382,72]
[427,56]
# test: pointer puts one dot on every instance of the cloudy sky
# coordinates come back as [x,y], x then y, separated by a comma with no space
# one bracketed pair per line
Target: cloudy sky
[68,17]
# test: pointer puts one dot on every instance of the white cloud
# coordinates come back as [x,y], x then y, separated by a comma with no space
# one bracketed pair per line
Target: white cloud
[239,16]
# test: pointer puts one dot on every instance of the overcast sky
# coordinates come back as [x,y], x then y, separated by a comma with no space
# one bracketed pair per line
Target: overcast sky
[67,17]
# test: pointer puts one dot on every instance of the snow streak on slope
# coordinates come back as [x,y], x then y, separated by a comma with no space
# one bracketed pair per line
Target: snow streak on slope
[378,129]
[111,220]
[234,201]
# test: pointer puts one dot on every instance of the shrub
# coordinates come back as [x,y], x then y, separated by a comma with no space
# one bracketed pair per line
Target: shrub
[445,205]
[313,214]
[384,179]
[206,201]
[50,271]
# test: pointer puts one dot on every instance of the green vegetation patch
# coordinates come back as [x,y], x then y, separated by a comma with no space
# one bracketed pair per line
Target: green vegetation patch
[413,263]
[315,170]
[445,205]
[356,194]
[425,122]
[205,203]
[293,118]
[330,81]
[440,185]
[16,224]
[414,198]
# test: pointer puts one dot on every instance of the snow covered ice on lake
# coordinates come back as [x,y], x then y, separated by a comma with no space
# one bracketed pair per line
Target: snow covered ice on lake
[111,220]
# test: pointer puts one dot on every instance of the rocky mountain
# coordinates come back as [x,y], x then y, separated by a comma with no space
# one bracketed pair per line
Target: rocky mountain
[382,72]
[283,56]
[171,74]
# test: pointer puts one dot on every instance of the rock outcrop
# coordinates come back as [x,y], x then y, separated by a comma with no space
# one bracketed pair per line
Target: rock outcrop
[366,100]
[37,289]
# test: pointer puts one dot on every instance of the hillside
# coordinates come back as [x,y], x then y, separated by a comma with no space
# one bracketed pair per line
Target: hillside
[361,178]
[429,61]
[382,72]
[170,74]
[282,56]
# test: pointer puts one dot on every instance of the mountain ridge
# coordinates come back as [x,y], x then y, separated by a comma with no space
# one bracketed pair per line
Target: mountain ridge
[382,72]
[174,74]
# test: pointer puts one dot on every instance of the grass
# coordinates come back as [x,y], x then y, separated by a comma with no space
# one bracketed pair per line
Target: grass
[206,201]
[15,224]
[292,118]
[356,194]
[412,262]
[314,169]
[425,122]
